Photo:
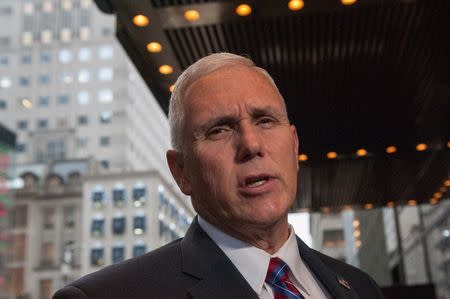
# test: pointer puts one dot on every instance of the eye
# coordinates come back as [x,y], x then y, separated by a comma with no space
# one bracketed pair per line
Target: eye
[217,132]
[266,121]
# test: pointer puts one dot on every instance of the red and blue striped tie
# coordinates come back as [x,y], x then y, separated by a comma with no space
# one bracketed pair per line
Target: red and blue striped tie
[277,277]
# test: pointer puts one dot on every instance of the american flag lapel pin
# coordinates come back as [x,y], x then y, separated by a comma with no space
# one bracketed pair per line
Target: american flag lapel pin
[344,283]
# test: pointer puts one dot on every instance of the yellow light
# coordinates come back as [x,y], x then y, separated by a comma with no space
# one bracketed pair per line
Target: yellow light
[347,208]
[448,144]
[434,201]
[27,103]
[356,233]
[390,204]
[171,87]
[421,147]
[331,155]
[412,202]
[358,243]
[447,183]
[361,152]
[437,195]
[154,47]
[391,149]
[243,10]
[165,69]
[368,206]
[138,231]
[355,223]
[296,4]
[348,2]
[303,157]
[191,15]
[140,20]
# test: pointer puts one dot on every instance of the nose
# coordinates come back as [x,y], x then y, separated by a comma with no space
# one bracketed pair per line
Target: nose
[249,143]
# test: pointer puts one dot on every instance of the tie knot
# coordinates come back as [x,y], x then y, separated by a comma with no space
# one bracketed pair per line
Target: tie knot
[277,271]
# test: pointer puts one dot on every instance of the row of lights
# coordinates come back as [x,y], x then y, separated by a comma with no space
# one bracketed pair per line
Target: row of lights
[192,15]
[437,196]
[357,233]
[363,152]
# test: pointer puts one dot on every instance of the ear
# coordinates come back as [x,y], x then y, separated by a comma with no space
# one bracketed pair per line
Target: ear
[176,166]
[296,143]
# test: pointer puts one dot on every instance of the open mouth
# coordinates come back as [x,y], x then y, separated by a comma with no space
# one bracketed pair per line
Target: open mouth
[254,182]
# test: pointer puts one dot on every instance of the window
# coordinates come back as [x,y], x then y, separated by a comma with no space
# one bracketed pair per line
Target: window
[105,96]
[22,124]
[105,74]
[56,149]
[139,249]
[105,117]
[65,56]
[4,41]
[81,142]
[139,195]
[4,60]
[21,147]
[333,238]
[5,82]
[44,79]
[19,217]
[25,59]
[5,11]
[118,225]
[118,197]
[97,256]
[3,105]
[63,99]
[66,77]
[24,81]
[46,57]
[43,101]
[139,224]
[85,33]
[45,288]
[48,217]
[18,247]
[98,197]
[84,76]
[47,254]
[82,120]
[118,254]
[98,227]
[84,54]
[105,164]
[85,18]
[105,52]
[106,31]
[69,217]
[83,98]
[105,141]
[42,123]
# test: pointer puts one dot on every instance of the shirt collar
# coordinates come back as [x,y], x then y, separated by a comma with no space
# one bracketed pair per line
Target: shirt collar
[253,262]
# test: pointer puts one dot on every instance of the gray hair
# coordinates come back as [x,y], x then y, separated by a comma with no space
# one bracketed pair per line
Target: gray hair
[201,68]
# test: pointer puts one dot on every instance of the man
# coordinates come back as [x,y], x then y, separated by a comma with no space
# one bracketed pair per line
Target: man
[235,154]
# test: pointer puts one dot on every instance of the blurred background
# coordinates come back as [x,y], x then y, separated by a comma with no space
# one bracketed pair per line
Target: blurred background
[84,90]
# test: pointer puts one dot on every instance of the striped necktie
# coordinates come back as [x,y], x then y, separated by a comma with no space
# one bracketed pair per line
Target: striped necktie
[277,277]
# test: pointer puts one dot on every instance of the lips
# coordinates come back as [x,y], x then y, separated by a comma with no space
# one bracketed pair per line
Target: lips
[256,184]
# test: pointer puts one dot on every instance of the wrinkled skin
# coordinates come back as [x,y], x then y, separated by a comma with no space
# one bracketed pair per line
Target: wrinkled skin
[239,157]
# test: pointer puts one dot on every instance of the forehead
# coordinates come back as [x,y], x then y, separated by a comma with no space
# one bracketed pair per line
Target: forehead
[231,88]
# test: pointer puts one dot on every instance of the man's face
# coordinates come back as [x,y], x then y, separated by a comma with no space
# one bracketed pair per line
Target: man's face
[239,159]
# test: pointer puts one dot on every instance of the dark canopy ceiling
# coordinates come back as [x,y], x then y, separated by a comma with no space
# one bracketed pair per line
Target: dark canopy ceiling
[369,75]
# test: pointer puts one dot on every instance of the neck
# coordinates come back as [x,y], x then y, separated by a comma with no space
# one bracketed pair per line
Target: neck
[269,238]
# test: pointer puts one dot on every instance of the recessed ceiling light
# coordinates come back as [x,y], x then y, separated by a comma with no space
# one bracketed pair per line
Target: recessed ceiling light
[154,47]
[26,103]
[140,20]
[361,152]
[421,147]
[191,15]
[331,155]
[165,69]
[243,10]
[391,149]
[303,157]
[296,4]
[348,2]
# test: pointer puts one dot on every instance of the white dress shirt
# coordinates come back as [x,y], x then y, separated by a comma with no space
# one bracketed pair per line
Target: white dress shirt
[253,262]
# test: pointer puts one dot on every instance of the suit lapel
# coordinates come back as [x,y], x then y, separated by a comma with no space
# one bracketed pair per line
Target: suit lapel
[334,284]
[218,277]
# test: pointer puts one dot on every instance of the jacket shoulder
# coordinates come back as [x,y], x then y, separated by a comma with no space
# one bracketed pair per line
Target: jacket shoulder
[131,278]
[358,279]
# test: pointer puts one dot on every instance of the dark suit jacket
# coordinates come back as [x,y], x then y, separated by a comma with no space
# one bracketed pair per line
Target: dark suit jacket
[195,267]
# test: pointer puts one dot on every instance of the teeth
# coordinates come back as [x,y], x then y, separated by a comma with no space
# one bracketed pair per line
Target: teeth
[256,183]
